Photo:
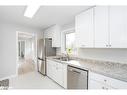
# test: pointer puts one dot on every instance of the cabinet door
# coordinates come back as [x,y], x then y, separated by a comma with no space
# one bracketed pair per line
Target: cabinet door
[96,85]
[55,71]
[56,37]
[118,26]
[59,74]
[101,34]
[84,29]
[49,68]
[54,33]
[48,33]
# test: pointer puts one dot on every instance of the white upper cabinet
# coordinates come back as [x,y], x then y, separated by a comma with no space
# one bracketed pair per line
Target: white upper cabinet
[118,26]
[54,32]
[102,27]
[101,35]
[84,29]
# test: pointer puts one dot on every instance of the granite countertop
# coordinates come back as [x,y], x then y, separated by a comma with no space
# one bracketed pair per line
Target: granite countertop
[109,69]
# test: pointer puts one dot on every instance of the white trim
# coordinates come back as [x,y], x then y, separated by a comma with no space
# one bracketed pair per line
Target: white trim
[35,47]
[70,29]
[35,42]
[17,52]
[63,39]
[8,77]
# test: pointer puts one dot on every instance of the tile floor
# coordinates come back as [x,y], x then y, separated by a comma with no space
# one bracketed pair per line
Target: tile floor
[25,66]
[32,80]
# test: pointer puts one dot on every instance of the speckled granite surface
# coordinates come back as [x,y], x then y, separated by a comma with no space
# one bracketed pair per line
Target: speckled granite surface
[109,69]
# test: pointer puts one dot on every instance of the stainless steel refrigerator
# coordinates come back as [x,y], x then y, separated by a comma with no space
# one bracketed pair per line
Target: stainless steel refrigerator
[44,49]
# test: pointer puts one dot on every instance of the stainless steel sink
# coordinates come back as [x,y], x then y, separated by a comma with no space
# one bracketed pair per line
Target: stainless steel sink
[63,59]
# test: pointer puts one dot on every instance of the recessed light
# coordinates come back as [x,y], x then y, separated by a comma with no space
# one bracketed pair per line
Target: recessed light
[31,10]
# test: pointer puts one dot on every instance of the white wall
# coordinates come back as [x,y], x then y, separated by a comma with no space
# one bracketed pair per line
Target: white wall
[115,55]
[8,47]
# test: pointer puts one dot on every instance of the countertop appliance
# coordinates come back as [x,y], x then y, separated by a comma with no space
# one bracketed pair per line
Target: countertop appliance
[44,49]
[77,78]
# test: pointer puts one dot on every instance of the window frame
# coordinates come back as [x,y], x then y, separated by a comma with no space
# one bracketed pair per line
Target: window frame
[63,34]
[66,38]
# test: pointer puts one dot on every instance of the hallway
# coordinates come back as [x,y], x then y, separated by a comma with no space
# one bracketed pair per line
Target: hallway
[25,66]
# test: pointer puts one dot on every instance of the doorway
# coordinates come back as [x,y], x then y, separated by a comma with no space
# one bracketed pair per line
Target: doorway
[26,53]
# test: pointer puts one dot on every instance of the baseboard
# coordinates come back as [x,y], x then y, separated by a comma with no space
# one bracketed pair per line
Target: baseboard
[8,77]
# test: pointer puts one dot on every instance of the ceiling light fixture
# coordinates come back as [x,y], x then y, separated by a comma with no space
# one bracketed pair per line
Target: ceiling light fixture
[31,10]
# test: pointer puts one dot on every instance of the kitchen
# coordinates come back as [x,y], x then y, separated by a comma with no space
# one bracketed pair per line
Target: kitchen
[85,48]
[95,29]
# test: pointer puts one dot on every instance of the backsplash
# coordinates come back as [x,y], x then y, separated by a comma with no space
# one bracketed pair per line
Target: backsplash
[114,55]
[58,51]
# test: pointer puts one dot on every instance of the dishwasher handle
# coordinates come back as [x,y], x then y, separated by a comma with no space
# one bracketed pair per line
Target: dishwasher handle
[72,70]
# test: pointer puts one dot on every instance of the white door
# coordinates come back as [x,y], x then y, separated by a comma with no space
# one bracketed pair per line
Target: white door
[118,26]
[101,26]
[84,29]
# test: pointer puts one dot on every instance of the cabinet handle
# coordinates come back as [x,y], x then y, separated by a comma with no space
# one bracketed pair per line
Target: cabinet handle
[105,80]
[106,45]
[103,87]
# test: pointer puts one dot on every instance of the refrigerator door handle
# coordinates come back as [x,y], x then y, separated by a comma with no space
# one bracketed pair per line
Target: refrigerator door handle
[40,59]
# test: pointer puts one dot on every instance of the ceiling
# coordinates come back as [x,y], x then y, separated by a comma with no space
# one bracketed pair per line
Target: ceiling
[44,17]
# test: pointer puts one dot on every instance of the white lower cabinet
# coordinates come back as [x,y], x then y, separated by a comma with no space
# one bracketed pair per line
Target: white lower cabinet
[57,72]
[50,69]
[98,81]
[97,85]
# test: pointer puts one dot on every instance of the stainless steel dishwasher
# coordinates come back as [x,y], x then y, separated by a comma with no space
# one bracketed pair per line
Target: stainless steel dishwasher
[77,78]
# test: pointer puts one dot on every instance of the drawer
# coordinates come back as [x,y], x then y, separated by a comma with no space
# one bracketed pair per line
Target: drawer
[98,77]
[108,81]
[97,85]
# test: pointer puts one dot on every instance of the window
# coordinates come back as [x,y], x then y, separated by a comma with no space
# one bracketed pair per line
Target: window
[70,42]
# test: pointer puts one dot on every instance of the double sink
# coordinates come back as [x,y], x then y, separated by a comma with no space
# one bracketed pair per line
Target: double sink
[63,59]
